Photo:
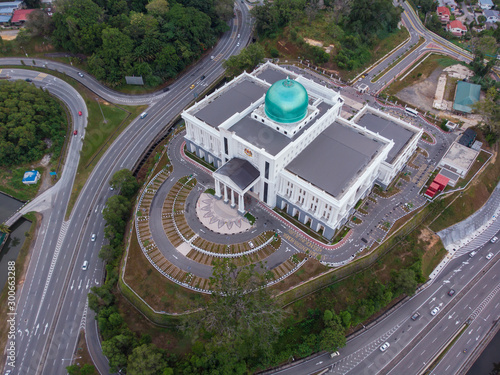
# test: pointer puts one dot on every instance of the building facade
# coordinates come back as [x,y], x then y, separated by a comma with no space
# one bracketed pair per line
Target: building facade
[278,137]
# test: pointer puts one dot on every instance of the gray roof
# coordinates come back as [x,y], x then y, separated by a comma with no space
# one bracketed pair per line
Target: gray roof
[388,129]
[235,99]
[449,174]
[263,136]
[334,158]
[272,75]
[240,171]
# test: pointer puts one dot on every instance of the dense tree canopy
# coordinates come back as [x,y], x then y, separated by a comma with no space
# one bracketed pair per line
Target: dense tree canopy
[155,39]
[31,123]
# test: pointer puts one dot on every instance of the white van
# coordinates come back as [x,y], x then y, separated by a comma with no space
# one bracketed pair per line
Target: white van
[144,114]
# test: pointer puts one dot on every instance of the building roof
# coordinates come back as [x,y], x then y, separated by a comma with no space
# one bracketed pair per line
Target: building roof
[466,95]
[459,158]
[335,158]
[21,15]
[388,129]
[486,2]
[491,13]
[266,137]
[456,24]
[452,176]
[467,138]
[240,171]
[237,98]
[10,4]
[4,18]
[286,101]
[271,75]
[30,176]
[441,180]
[444,10]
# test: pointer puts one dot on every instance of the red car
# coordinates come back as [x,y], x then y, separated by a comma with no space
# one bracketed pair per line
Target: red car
[79,113]
[75,132]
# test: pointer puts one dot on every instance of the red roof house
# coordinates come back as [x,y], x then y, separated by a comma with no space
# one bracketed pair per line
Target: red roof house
[437,185]
[20,16]
[456,27]
[443,14]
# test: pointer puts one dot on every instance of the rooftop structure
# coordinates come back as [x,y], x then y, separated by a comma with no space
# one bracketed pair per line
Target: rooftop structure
[466,94]
[21,15]
[468,138]
[458,159]
[31,177]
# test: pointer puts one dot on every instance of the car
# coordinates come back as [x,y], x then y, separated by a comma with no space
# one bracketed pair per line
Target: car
[144,114]
[334,354]
[472,253]
[238,36]
[251,244]
[79,113]
[451,292]
[238,44]
[489,256]
[415,316]
[191,87]
[363,76]
[28,80]
[494,239]
[166,89]
[93,237]
[434,311]
[111,188]
[384,347]
[80,74]
[75,132]
[212,57]
[202,77]
[85,265]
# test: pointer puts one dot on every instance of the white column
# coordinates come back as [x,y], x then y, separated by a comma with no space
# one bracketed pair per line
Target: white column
[241,203]
[225,194]
[217,189]
[232,198]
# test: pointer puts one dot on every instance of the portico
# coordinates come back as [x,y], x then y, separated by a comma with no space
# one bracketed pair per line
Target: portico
[235,177]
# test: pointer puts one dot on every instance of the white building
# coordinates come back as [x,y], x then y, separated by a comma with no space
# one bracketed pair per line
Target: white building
[286,144]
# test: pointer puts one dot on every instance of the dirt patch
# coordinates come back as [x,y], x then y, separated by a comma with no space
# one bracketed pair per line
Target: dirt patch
[421,94]
[82,355]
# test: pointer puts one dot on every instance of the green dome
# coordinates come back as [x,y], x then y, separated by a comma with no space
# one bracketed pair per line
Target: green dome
[286,101]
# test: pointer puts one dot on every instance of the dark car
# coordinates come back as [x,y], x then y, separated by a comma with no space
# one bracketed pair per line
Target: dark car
[451,292]
[202,77]
[28,80]
[415,316]
[166,89]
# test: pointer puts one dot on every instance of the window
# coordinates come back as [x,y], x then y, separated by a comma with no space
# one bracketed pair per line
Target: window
[265,192]
[266,172]
[226,147]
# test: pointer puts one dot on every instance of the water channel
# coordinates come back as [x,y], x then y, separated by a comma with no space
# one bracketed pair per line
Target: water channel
[17,236]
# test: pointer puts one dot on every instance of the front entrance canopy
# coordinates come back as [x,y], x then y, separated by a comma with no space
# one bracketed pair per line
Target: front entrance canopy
[241,172]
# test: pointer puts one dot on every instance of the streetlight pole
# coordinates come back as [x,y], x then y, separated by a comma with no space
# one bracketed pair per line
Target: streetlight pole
[99,104]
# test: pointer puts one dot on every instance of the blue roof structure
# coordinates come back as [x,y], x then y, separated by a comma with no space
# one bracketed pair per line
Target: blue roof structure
[486,2]
[10,4]
[30,177]
[5,19]
[286,101]
[466,95]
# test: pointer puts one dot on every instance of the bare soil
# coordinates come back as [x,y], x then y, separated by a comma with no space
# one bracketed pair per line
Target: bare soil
[421,94]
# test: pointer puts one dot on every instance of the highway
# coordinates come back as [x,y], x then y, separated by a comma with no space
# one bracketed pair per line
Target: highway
[52,302]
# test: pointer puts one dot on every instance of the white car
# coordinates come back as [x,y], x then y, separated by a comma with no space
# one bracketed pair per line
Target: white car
[494,239]
[472,253]
[93,237]
[489,256]
[384,347]
[334,354]
[80,74]
[85,265]
[434,311]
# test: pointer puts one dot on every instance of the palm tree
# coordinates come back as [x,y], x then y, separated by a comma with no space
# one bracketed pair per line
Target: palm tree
[4,228]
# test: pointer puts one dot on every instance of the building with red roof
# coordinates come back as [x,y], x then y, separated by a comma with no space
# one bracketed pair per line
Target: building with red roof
[443,14]
[20,16]
[437,185]
[456,27]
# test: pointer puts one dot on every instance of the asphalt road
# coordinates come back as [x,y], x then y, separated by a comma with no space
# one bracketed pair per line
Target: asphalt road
[52,303]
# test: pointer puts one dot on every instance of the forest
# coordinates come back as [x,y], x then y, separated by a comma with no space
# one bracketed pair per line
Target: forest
[154,39]
[32,123]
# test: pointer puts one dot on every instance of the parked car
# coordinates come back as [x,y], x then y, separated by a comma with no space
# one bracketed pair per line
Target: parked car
[191,87]
[451,292]
[28,80]
[494,239]
[415,316]
[434,311]
[489,256]
[384,347]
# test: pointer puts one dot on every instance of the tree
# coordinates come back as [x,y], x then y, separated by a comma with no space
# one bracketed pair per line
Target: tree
[241,316]
[4,228]
[124,181]
[247,59]
[147,359]
[489,109]
[406,282]
[39,23]
[86,369]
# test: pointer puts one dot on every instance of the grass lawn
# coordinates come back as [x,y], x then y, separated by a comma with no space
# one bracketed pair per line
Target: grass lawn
[421,72]
[82,355]
[159,292]
[11,182]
